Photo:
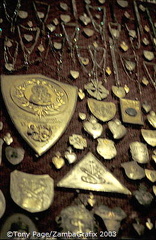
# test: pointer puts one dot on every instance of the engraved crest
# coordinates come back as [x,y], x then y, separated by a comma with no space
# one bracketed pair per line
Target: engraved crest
[92,175]
[40,108]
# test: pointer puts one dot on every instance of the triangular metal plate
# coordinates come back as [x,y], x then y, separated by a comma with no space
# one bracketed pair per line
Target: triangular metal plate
[90,174]
[39,107]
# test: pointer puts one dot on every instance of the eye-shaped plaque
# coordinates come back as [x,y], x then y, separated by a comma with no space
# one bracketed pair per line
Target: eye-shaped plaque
[40,108]
[131,111]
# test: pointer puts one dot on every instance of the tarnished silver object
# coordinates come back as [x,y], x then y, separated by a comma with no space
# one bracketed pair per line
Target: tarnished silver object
[14,155]
[18,223]
[31,192]
[106,148]
[93,127]
[2,204]
[111,217]
[139,152]
[90,174]
[75,219]
[133,170]
[118,130]
[150,174]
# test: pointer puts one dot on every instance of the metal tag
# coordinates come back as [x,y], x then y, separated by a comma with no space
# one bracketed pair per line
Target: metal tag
[90,174]
[32,192]
[131,111]
[40,108]
[104,111]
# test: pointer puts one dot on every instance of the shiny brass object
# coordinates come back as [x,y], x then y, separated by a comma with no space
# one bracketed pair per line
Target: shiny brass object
[65,18]
[82,116]
[139,152]
[74,74]
[78,142]
[148,55]
[118,130]
[146,106]
[133,170]
[122,3]
[81,94]
[75,219]
[131,111]
[112,217]
[96,89]
[149,136]
[88,32]
[33,193]
[40,108]
[104,111]
[18,223]
[151,175]
[58,161]
[94,128]
[143,197]
[51,27]
[151,117]
[2,204]
[8,139]
[14,155]
[124,46]
[118,91]
[90,174]
[145,82]
[149,224]
[106,148]
[70,155]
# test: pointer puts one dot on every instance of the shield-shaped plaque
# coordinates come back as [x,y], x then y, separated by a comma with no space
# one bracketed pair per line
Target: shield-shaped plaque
[40,108]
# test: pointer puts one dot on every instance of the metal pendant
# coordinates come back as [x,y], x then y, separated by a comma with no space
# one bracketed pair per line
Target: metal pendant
[75,219]
[151,175]
[151,117]
[14,155]
[131,111]
[96,89]
[118,130]
[65,18]
[88,32]
[148,55]
[18,226]
[139,152]
[40,108]
[22,14]
[133,170]
[2,204]
[90,174]
[118,91]
[93,127]
[31,192]
[149,136]
[106,148]
[104,111]
[111,217]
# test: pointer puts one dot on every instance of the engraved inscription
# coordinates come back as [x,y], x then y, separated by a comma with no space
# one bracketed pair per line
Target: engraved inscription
[39,97]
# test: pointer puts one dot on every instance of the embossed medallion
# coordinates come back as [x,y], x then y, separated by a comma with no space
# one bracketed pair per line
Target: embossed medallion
[104,111]
[90,174]
[33,193]
[40,108]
